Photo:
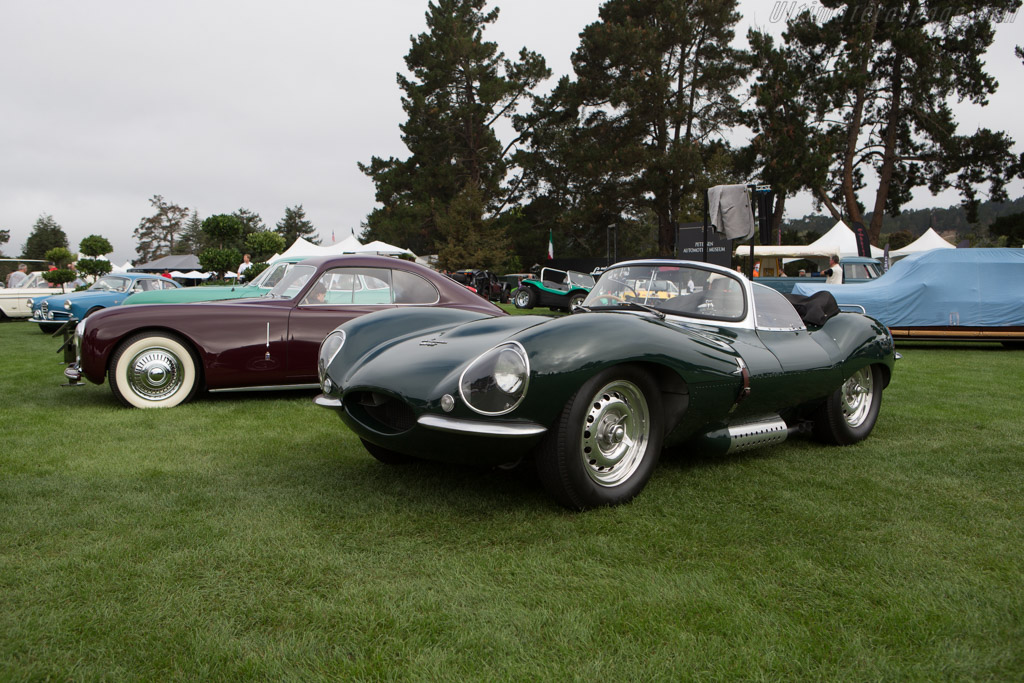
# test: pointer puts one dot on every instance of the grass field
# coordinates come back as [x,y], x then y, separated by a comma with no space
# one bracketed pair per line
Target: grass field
[249,536]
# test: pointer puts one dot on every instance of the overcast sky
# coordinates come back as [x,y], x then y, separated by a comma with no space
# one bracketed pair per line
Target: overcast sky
[220,105]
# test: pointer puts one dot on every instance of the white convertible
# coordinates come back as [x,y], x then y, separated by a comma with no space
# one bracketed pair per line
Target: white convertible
[14,300]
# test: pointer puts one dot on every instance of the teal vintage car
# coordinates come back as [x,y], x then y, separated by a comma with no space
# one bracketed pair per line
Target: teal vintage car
[725,365]
[260,285]
[556,289]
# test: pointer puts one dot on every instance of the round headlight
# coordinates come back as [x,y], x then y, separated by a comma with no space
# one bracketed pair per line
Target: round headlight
[29,302]
[67,305]
[328,350]
[495,383]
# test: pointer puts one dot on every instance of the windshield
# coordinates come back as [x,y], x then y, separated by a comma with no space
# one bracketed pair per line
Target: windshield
[293,281]
[680,290]
[271,276]
[32,281]
[108,283]
[579,279]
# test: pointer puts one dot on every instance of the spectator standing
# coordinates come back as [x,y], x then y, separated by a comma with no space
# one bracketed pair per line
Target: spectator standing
[834,273]
[15,278]
[243,266]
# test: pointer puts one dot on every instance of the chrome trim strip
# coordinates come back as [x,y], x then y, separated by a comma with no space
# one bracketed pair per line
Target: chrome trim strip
[283,387]
[451,424]
[325,401]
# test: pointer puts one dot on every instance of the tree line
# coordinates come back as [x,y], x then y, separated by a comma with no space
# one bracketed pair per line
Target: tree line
[648,119]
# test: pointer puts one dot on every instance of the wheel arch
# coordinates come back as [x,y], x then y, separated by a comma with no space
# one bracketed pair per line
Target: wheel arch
[190,343]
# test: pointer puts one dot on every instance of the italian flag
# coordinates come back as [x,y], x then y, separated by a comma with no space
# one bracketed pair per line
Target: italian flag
[551,246]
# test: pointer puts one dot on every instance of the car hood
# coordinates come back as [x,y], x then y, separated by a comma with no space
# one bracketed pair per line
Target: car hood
[194,294]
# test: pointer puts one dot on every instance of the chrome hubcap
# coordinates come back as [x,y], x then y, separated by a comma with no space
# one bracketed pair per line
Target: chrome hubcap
[155,374]
[857,393]
[615,433]
[522,298]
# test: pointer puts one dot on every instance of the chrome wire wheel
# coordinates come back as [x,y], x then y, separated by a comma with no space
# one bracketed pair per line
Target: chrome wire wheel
[856,396]
[615,433]
[155,374]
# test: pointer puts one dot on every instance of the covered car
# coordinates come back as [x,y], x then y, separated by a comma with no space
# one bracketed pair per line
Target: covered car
[724,365]
[161,355]
[944,294]
[110,290]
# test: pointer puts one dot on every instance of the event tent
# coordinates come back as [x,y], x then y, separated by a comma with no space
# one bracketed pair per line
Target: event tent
[926,242]
[838,241]
[384,249]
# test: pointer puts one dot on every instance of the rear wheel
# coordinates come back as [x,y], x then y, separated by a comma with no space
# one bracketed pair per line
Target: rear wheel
[153,370]
[850,413]
[525,298]
[606,443]
[385,455]
[576,300]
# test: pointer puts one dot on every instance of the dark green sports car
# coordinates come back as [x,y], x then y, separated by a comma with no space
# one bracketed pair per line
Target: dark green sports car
[723,365]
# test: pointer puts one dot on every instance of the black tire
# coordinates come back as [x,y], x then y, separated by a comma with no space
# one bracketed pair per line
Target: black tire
[385,455]
[154,370]
[91,311]
[850,413]
[576,299]
[606,442]
[525,298]
[50,328]
[503,297]
[1014,345]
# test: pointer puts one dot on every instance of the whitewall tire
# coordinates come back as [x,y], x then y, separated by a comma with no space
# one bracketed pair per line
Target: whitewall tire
[153,370]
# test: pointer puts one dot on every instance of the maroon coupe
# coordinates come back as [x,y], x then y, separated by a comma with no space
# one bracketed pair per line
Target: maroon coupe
[159,355]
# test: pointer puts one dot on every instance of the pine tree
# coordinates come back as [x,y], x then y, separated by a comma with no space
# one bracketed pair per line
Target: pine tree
[294,225]
[157,234]
[460,87]
[646,114]
[888,70]
[46,234]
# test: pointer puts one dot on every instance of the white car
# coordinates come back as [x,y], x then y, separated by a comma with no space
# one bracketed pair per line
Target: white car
[14,300]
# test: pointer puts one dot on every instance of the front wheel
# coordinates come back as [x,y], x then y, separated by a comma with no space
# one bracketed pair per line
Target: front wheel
[606,443]
[50,328]
[850,413]
[525,298]
[153,371]
[576,300]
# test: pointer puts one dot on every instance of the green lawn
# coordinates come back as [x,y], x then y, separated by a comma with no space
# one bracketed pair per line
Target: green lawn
[249,536]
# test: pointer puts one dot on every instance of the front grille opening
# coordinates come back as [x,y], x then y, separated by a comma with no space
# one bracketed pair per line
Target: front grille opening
[380,412]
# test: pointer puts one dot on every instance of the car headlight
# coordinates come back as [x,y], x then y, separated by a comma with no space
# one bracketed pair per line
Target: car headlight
[29,302]
[329,348]
[67,304]
[495,383]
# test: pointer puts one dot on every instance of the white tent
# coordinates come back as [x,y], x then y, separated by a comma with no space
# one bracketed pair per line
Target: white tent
[122,268]
[305,249]
[384,249]
[838,241]
[844,240]
[926,242]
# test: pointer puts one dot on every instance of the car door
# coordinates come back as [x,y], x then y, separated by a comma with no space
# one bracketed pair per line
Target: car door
[806,365]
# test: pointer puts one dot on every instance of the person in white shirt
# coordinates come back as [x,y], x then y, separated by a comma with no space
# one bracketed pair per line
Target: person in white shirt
[834,273]
[244,266]
[15,278]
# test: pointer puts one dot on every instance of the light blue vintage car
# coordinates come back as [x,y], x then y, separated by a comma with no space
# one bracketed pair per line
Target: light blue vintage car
[53,312]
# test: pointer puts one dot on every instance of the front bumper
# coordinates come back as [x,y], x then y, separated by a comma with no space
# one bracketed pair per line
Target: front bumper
[444,438]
